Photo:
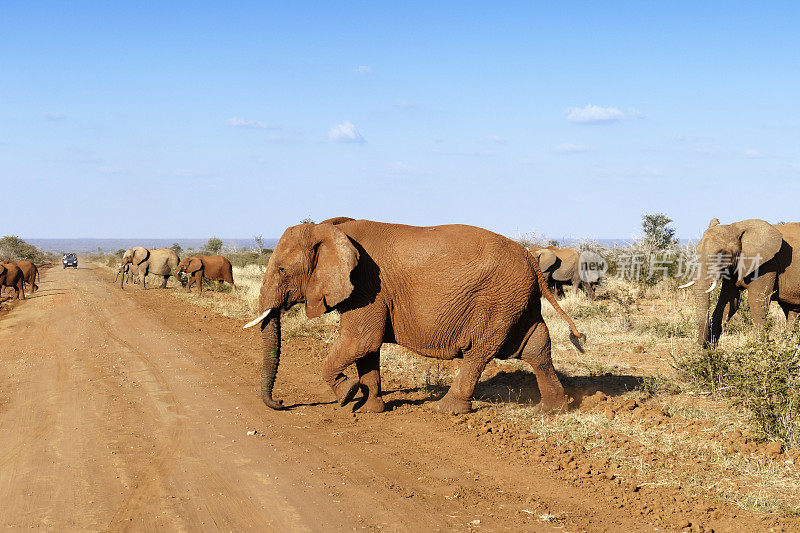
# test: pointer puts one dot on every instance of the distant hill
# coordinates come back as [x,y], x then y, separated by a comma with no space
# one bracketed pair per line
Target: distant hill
[112,245]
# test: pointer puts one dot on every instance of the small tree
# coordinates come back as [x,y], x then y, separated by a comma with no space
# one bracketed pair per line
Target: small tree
[214,245]
[119,253]
[259,244]
[176,248]
[307,220]
[658,234]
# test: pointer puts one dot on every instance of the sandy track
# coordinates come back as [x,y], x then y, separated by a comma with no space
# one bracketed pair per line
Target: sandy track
[130,410]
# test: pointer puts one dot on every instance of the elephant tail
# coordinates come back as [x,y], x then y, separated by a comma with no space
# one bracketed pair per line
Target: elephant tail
[575,335]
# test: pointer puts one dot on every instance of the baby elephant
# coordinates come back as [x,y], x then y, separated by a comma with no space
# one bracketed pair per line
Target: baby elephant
[213,267]
[12,276]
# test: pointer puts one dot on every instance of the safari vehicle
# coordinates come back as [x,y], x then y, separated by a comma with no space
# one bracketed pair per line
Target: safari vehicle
[70,260]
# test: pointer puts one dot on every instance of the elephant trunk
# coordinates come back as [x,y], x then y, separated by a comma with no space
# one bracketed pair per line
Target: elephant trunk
[703,300]
[271,344]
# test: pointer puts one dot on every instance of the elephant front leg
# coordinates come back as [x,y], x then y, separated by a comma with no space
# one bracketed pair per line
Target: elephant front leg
[343,353]
[759,295]
[369,374]
[537,354]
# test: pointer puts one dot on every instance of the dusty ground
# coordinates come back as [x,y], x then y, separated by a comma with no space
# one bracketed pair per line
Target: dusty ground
[131,410]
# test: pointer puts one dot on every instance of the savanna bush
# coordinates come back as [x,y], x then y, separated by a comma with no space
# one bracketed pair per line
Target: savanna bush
[762,376]
[12,248]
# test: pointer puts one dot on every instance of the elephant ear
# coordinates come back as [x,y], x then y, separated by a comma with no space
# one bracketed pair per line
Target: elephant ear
[547,258]
[334,259]
[760,242]
[568,264]
[140,255]
[195,264]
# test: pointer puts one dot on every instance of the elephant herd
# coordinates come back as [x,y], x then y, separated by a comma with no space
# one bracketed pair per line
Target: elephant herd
[463,292]
[16,274]
[138,262]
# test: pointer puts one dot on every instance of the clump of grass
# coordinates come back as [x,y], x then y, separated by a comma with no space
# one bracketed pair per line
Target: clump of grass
[664,329]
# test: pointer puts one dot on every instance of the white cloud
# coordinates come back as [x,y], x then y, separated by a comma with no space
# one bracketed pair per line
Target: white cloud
[345,132]
[496,139]
[52,116]
[752,154]
[569,148]
[592,114]
[239,122]
[363,70]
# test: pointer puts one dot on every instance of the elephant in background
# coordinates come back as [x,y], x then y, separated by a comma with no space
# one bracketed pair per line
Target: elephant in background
[213,267]
[443,291]
[561,266]
[751,255]
[11,276]
[159,262]
[30,273]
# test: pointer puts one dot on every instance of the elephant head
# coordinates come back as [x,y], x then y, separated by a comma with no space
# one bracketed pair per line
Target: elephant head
[190,265]
[311,264]
[122,271]
[546,257]
[733,251]
[135,256]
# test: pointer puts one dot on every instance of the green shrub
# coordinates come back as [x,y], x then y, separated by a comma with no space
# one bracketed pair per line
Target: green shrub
[12,248]
[763,377]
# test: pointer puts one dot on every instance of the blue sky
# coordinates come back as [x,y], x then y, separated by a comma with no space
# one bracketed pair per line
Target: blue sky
[191,119]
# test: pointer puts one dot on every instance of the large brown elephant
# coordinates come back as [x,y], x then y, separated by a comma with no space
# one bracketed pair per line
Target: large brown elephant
[30,273]
[160,262]
[443,291]
[561,266]
[11,276]
[213,267]
[753,255]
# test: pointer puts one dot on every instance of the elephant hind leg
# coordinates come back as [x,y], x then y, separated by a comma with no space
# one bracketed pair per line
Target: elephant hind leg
[369,375]
[164,282]
[537,354]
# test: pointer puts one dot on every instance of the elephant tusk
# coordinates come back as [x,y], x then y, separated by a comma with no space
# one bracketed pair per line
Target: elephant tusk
[713,286]
[687,285]
[257,320]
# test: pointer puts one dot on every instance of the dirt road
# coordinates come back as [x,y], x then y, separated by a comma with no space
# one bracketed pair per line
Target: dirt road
[131,410]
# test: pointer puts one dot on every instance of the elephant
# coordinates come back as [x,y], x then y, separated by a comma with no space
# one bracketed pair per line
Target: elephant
[561,266]
[11,276]
[445,292]
[160,262]
[128,272]
[214,267]
[751,254]
[30,272]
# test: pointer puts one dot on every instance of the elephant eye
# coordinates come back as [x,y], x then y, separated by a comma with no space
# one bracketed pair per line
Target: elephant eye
[281,270]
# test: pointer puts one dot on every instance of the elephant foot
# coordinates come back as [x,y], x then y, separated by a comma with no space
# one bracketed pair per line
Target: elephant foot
[372,405]
[555,404]
[453,406]
[274,404]
[346,390]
